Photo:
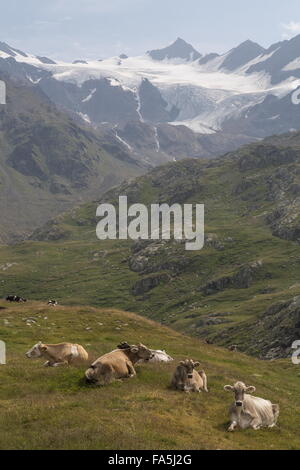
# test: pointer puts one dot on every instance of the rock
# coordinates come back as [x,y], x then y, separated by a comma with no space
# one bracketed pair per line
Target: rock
[242,279]
[273,334]
[148,283]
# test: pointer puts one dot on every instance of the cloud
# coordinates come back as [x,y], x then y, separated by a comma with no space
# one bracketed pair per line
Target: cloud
[291,29]
[94,6]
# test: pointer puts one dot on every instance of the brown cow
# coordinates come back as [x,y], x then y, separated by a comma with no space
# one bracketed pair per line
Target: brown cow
[59,354]
[187,379]
[118,364]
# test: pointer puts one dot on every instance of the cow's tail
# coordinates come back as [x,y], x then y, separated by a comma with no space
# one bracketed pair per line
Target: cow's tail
[204,378]
[275,409]
[82,353]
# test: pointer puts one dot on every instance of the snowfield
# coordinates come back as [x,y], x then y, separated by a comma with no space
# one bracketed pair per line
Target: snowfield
[205,95]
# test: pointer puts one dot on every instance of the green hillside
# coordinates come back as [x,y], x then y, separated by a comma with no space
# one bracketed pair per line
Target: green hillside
[245,280]
[52,408]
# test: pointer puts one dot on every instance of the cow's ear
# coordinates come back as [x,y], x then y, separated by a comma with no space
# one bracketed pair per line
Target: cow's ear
[228,388]
[196,364]
[250,389]
[134,349]
[39,343]
[43,348]
[181,363]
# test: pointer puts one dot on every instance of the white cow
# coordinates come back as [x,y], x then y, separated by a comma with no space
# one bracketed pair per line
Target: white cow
[248,411]
[59,354]
[159,356]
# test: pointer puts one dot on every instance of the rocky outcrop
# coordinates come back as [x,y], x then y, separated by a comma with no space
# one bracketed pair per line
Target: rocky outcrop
[148,283]
[285,222]
[242,279]
[150,257]
[50,232]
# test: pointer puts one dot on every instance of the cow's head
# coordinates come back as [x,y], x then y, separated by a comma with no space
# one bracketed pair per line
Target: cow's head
[36,350]
[92,374]
[189,365]
[239,389]
[140,351]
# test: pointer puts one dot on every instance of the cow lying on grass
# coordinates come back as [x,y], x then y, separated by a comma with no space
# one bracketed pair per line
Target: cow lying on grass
[159,356]
[248,411]
[15,298]
[118,364]
[59,354]
[187,379]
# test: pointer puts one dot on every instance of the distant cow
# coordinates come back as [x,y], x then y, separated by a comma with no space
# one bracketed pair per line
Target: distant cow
[15,298]
[59,354]
[118,364]
[248,411]
[52,303]
[187,379]
[233,348]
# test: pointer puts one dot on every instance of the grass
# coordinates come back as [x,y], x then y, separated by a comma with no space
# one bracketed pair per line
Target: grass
[52,408]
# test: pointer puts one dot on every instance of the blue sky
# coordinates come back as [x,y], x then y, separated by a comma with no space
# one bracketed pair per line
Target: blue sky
[74,29]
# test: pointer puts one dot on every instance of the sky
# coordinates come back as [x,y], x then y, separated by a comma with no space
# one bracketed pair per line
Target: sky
[95,29]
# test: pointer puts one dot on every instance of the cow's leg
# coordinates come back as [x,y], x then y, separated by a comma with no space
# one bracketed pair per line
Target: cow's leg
[69,359]
[60,363]
[131,370]
[108,376]
[255,423]
[232,426]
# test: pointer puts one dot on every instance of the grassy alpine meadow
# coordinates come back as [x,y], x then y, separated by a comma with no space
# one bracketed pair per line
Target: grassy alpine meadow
[52,408]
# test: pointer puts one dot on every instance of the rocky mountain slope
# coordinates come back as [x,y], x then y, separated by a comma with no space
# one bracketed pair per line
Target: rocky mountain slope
[48,163]
[246,279]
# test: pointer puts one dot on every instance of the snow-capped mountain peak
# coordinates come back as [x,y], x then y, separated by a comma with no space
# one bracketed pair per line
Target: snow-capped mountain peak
[242,54]
[174,84]
[179,49]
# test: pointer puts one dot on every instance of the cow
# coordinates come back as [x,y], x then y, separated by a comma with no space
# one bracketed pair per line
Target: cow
[248,411]
[233,348]
[15,298]
[52,303]
[159,356]
[117,364]
[59,354]
[187,379]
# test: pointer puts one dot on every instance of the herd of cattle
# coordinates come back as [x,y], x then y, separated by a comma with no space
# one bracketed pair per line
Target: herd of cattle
[19,300]
[246,411]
